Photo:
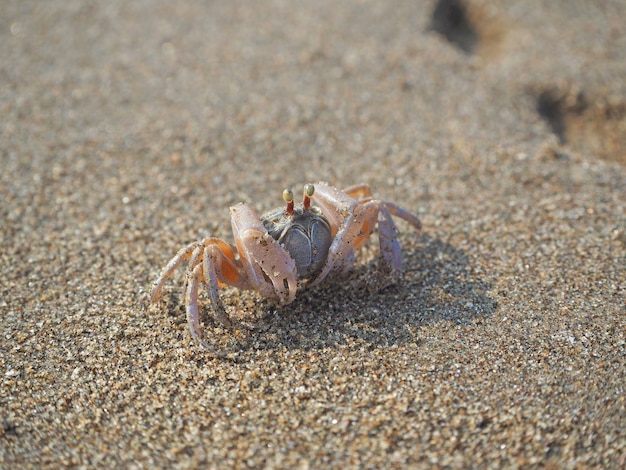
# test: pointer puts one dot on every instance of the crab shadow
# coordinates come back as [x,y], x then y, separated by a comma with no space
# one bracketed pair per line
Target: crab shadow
[438,285]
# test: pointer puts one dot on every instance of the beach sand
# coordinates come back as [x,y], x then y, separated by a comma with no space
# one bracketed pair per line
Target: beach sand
[129,128]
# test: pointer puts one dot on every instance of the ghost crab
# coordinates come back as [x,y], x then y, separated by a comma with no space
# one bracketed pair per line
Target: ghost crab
[288,247]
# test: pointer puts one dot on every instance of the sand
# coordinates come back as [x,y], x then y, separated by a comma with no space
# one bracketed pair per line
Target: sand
[129,128]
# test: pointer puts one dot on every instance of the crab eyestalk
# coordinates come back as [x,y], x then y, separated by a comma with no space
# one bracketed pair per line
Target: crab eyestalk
[309,189]
[288,197]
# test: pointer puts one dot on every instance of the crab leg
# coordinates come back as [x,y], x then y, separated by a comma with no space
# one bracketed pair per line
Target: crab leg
[390,251]
[191,303]
[212,259]
[193,262]
[359,191]
[231,277]
[363,191]
[335,204]
[205,272]
[403,214]
[182,254]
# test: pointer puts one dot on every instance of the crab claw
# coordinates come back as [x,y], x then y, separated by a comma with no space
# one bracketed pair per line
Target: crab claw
[263,258]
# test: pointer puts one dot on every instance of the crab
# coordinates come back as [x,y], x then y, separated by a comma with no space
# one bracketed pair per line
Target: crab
[288,248]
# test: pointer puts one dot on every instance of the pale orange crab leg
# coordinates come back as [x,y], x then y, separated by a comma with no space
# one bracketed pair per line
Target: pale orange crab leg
[363,191]
[359,191]
[193,252]
[217,269]
[191,302]
[227,269]
[390,263]
[403,214]
[211,261]
[336,205]
[182,255]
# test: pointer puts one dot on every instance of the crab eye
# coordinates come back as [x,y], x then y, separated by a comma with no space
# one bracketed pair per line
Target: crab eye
[309,189]
[288,197]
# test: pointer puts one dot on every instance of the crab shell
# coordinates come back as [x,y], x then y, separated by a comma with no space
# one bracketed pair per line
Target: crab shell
[305,234]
